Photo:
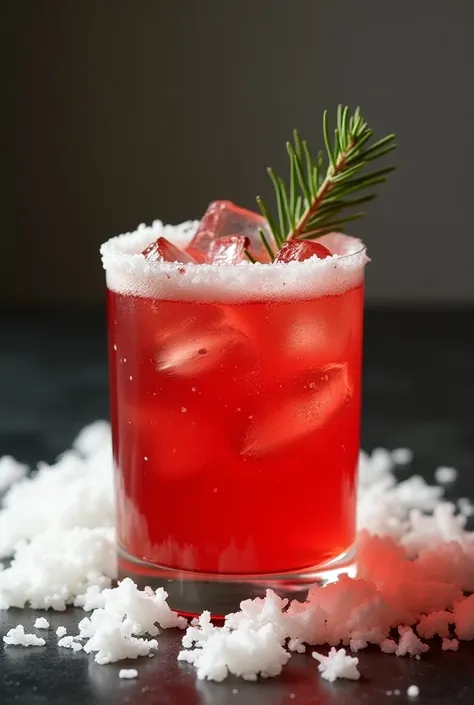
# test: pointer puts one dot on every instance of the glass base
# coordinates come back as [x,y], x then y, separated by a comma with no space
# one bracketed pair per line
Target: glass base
[190,592]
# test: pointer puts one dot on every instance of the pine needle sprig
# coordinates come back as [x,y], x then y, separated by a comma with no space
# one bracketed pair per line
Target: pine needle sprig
[315,202]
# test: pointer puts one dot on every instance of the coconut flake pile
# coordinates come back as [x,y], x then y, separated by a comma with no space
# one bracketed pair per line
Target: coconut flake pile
[415,566]
[10,472]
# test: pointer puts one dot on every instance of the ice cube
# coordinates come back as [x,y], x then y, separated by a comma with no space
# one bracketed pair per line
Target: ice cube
[228,250]
[162,250]
[190,349]
[301,336]
[320,334]
[224,218]
[297,409]
[299,250]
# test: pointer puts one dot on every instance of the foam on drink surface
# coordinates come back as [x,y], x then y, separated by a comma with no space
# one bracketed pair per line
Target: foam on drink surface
[128,272]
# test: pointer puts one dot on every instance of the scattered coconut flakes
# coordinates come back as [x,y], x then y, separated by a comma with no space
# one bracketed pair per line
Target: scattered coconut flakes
[436,622]
[357,644]
[388,646]
[450,645]
[337,664]
[465,506]
[128,673]
[92,438]
[68,642]
[56,566]
[244,652]
[113,641]
[409,643]
[402,456]
[441,526]
[464,618]
[127,612]
[413,691]
[58,523]
[247,651]
[18,637]
[144,608]
[76,492]
[10,472]
[417,560]
[91,599]
[41,623]
[445,475]
[296,645]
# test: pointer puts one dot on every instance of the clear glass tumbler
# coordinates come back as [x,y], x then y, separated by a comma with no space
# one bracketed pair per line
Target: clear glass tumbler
[235,407]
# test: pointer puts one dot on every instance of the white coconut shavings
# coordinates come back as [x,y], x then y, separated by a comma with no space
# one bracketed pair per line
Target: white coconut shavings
[92,439]
[388,646]
[436,623]
[464,618]
[56,566]
[450,645]
[413,691]
[415,562]
[409,643]
[18,637]
[128,673]
[68,642]
[402,456]
[445,475]
[41,623]
[337,664]
[248,651]
[76,492]
[127,613]
[10,472]
[112,639]
[465,506]
[59,524]
[128,272]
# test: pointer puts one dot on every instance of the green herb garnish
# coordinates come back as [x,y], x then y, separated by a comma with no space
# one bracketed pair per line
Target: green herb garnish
[316,198]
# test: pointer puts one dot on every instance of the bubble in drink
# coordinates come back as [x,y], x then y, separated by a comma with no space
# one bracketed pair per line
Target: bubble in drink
[223,219]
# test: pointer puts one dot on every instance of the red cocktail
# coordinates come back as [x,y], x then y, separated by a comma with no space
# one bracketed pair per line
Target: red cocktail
[235,396]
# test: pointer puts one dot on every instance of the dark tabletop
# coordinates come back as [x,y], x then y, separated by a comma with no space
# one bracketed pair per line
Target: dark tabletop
[418,392]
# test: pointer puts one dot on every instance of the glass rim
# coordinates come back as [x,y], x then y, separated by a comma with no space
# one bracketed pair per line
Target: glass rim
[128,272]
[111,250]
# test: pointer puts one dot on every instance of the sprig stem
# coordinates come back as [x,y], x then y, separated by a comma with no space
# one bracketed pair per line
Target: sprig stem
[311,205]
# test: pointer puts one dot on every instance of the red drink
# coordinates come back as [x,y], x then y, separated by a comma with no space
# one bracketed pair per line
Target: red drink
[235,418]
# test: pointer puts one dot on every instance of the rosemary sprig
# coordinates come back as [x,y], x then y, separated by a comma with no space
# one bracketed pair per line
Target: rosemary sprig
[317,194]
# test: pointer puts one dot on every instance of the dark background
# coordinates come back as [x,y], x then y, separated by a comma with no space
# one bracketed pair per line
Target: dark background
[118,112]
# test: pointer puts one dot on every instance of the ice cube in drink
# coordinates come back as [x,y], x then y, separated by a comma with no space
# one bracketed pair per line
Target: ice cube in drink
[225,219]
